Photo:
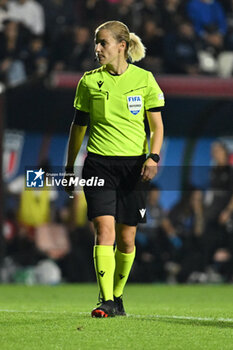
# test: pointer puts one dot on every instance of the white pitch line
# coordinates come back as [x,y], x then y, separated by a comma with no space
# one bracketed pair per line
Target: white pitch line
[192,318]
[43,312]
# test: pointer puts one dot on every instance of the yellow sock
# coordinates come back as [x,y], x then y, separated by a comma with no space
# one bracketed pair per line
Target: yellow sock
[124,264]
[104,262]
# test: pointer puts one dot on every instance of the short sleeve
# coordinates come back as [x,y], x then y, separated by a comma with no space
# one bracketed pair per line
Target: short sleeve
[82,100]
[154,96]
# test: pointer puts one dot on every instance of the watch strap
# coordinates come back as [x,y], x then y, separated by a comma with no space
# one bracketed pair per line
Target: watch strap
[155,157]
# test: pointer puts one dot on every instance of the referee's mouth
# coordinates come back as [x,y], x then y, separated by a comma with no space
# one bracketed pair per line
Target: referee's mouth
[100,57]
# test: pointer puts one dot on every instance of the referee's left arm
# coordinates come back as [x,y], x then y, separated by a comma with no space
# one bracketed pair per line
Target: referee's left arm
[150,167]
[156,131]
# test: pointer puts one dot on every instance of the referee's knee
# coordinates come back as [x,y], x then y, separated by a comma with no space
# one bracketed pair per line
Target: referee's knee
[105,230]
[126,238]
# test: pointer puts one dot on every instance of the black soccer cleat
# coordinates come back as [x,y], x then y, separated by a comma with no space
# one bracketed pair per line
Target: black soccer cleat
[120,311]
[105,309]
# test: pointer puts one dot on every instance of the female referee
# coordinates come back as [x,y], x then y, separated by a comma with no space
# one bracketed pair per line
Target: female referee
[115,99]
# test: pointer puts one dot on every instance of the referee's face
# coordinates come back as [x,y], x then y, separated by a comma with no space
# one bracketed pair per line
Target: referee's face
[107,49]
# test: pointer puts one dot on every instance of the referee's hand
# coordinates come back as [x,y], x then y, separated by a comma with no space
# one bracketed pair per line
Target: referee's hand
[149,170]
[68,176]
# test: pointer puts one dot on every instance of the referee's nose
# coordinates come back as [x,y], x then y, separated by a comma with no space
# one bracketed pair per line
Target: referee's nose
[98,48]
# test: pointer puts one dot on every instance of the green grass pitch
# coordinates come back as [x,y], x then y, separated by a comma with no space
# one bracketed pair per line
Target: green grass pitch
[159,317]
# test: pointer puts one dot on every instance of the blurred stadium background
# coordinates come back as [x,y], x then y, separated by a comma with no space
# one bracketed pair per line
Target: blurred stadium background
[45,46]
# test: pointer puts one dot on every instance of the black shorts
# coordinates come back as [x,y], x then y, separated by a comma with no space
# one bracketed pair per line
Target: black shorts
[123,194]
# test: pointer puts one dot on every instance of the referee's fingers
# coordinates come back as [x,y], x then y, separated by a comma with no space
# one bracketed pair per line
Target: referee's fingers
[149,173]
[143,169]
[146,174]
[69,188]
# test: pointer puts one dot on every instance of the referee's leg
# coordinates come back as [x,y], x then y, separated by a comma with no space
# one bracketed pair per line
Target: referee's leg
[104,229]
[125,238]
[124,256]
[104,259]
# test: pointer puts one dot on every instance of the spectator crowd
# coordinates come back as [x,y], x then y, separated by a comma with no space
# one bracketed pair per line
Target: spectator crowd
[192,242]
[181,36]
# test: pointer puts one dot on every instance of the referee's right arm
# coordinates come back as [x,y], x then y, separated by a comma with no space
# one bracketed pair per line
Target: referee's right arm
[77,132]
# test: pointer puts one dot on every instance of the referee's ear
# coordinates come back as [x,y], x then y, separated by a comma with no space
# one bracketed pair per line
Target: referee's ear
[123,46]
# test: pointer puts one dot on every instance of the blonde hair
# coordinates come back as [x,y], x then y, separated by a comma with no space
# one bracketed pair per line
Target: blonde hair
[135,50]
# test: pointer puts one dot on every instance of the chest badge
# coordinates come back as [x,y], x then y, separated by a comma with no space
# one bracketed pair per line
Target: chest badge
[134,104]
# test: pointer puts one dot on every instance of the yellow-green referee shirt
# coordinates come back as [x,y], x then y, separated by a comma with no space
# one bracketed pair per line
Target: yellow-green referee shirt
[116,105]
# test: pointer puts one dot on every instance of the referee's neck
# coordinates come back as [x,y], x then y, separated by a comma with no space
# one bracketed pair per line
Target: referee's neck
[117,69]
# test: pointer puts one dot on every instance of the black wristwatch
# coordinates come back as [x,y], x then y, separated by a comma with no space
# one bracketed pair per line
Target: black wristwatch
[155,157]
